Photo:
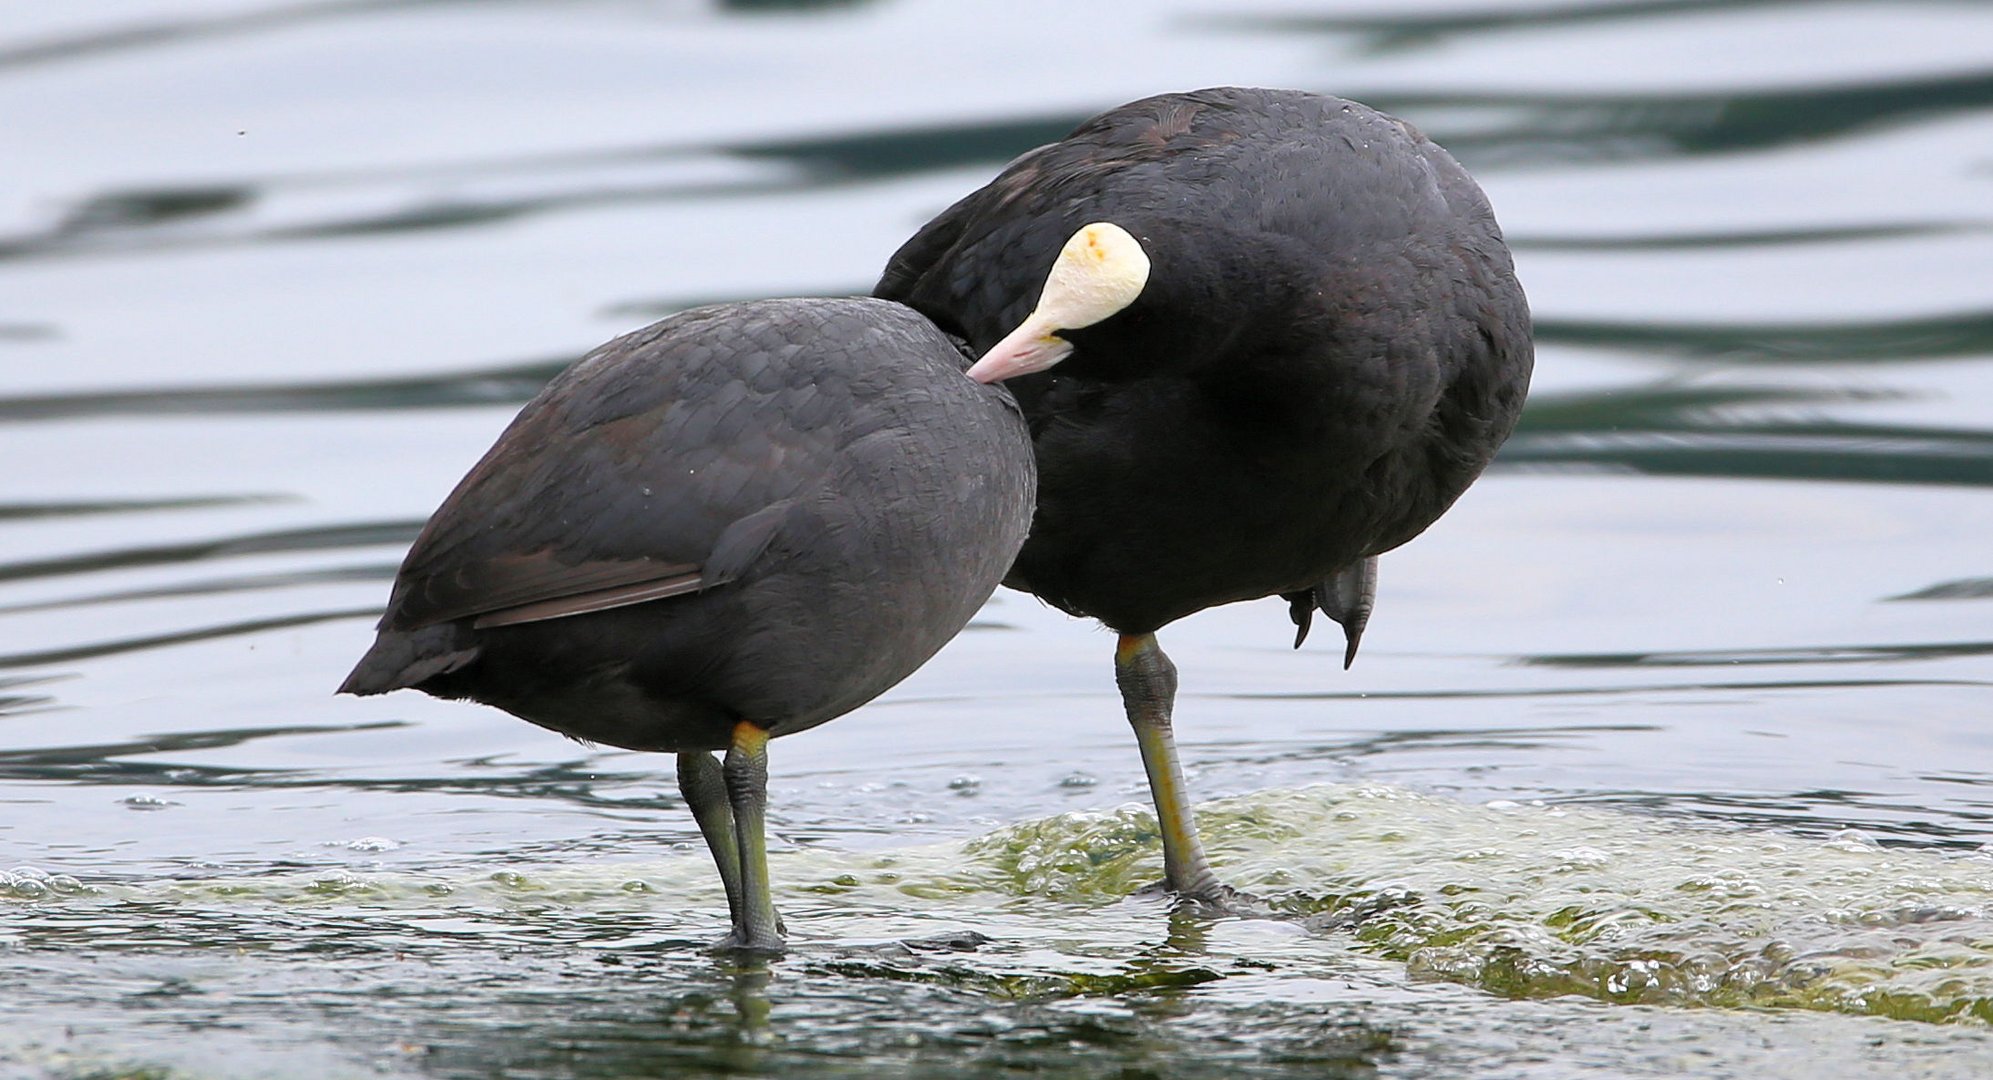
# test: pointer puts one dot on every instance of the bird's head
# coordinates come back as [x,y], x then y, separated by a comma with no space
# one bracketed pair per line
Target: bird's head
[1098,274]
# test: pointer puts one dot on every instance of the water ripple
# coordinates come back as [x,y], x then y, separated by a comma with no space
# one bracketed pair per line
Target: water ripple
[499,384]
[1489,131]
[1817,654]
[1965,334]
[28,511]
[286,579]
[71,654]
[316,538]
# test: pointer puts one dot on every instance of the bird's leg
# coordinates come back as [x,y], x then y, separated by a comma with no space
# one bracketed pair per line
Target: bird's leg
[746,774]
[1148,690]
[705,791]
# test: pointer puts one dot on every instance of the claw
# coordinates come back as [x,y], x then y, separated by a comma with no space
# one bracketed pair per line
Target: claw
[1300,608]
[1347,597]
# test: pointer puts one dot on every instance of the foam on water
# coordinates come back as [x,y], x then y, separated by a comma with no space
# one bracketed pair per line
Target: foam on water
[1533,901]
[1523,901]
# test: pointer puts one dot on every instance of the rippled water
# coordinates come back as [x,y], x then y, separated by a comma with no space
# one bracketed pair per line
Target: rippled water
[1668,753]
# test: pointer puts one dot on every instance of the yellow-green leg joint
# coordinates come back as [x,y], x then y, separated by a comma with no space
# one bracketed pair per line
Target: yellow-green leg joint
[746,773]
[1148,690]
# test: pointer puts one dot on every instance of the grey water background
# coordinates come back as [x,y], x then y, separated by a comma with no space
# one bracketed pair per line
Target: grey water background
[1668,753]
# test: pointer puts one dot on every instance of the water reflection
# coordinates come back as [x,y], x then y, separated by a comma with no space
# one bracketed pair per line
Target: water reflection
[380,572]
[1823,654]
[147,33]
[13,702]
[1532,129]
[510,383]
[32,510]
[262,543]
[241,628]
[1965,335]
[1403,28]
[1966,589]
[1488,131]
[110,763]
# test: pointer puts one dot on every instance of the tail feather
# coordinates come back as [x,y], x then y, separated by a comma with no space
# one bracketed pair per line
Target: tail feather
[404,658]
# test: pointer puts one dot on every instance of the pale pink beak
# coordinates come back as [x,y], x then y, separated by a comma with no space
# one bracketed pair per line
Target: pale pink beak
[1028,348]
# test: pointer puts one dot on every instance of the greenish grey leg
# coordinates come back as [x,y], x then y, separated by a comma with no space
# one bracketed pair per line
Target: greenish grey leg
[746,774]
[705,791]
[1148,690]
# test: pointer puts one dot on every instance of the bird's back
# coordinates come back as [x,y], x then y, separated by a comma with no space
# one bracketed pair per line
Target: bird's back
[770,511]
[1158,497]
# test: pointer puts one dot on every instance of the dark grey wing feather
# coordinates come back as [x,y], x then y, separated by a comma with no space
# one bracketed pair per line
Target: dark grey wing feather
[611,489]
[560,607]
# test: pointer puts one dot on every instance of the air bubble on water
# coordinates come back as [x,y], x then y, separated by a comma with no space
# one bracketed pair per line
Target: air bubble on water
[369,844]
[147,802]
[32,883]
[1635,975]
[966,784]
[336,883]
[1853,840]
[1078,779]
[1581,858]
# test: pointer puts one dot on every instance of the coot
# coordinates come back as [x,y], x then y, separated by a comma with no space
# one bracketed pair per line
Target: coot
[736,524]
[1288,335]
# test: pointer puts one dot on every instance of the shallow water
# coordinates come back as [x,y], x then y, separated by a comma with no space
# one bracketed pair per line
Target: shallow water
[1667,753]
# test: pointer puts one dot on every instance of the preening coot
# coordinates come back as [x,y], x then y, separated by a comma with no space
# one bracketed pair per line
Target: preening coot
[1288,335]
[738,523]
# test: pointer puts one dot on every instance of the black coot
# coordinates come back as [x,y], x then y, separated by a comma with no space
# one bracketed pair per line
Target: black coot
[735,524]
[1288,336]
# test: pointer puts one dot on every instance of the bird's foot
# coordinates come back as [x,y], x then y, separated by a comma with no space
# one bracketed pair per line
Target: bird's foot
[738,944]
[1212,901]
[947,941]
[742,943]
[952,941]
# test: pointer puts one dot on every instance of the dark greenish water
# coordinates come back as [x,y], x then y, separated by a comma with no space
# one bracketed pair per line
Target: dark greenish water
[1670,752]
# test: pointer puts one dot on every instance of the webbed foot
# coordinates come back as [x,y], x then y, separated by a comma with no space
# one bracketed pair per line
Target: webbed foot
[739,943]
[1213,901]
[952,941]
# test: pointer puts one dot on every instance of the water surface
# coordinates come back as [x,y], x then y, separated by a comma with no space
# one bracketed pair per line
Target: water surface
[1666,755]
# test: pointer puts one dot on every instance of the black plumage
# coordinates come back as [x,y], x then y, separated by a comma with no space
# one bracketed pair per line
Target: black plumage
[1329,348]
[766,513]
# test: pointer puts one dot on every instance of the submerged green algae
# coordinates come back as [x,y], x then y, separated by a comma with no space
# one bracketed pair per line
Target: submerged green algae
[1522,901]
[1536,901]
